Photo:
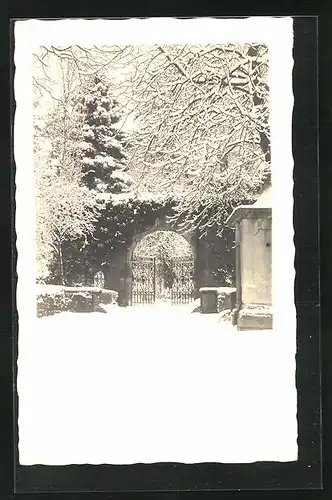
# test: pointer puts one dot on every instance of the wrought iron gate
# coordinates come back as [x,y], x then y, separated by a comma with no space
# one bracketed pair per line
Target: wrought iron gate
[182,291]
[143,289]
[145,272]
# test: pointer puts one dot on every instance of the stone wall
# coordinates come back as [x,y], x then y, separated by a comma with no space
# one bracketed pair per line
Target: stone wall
[210,253]
[115,272]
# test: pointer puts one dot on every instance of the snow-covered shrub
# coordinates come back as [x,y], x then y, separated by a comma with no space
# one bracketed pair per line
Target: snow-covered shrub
[58,299]
[52,303]
[109,297]
[82,301]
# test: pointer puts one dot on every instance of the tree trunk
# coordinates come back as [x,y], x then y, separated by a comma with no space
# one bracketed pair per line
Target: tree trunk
[265,146]
[62,275]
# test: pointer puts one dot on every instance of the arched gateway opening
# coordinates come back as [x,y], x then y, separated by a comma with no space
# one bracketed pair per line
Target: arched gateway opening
[162,266]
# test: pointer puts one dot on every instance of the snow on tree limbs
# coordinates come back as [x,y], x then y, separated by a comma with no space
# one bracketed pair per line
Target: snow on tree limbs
[201,119]
[65,202]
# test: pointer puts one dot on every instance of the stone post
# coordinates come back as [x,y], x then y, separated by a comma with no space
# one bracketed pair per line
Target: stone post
[253,226]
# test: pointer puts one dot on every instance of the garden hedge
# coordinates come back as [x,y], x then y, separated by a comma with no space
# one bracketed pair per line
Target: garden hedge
[54,300]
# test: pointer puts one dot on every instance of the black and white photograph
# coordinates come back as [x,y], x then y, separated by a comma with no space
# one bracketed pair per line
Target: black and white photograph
[155,253]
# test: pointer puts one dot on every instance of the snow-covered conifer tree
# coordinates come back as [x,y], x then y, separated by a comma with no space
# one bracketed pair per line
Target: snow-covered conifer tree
[103,153]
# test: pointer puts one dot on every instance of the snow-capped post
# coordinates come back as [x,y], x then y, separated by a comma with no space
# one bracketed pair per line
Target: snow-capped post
[253,226]
[216,299]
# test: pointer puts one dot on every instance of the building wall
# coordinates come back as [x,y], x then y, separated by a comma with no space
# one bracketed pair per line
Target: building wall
[256,261]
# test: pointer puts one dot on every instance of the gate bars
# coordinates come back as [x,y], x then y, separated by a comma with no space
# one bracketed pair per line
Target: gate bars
[144,279]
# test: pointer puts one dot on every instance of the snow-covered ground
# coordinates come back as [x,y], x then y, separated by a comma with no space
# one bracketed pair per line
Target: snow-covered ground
[154,383]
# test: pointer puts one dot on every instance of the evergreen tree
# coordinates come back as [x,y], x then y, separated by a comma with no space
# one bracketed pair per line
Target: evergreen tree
[104,156]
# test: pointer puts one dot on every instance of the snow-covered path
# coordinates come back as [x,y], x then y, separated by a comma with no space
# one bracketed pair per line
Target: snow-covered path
[150,384]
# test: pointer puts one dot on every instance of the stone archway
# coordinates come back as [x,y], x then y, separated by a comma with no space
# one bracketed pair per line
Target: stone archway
[162,268]
[118,269]
[159,226]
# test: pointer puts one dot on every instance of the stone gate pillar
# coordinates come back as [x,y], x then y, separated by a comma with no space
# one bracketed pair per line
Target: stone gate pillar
[253,226]
[127,280]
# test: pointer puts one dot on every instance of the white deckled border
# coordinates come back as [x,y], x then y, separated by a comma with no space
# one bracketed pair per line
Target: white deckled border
[277,33]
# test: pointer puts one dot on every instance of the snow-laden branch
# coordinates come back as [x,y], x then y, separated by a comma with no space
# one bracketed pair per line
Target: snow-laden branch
[201,116]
